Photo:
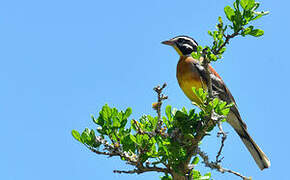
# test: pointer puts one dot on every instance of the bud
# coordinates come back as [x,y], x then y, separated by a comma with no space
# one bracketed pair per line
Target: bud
[155,105]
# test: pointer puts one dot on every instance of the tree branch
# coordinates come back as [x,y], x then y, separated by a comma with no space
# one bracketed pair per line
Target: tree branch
[194,143]
[143,169]
[113,151]
[224,137]
[217,166]
[160,97]
[228,37]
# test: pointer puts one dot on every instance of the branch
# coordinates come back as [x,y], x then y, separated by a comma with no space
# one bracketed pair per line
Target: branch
[195,141]
[217,166]
[140,131]
[113,151]
[228,37]
[143,169]
[224,137]
[157,106]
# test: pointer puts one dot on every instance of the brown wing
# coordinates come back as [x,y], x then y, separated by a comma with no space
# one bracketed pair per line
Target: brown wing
[221,90]
[224,94]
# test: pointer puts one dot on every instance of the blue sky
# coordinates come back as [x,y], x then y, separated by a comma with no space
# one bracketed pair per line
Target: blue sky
[62,60]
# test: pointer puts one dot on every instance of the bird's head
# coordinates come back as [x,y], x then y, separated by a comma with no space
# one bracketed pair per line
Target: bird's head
[184,45]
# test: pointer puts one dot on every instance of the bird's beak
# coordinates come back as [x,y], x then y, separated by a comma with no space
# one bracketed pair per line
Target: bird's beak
[169,42]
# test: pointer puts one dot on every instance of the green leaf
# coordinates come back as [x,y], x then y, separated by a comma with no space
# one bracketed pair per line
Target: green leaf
[209,33]
[257,32]
[220,20]
[226,111]
[222,50]
[251,4]
[230,105]
[166,177]
[106,112]
[100,120]
[85,137]
[208,174]
[247,30]
[184,110]
[76,135]
[220,37]
[195,55]
[101,131]
[192,114]
[200,92]
[92,134]
[212,57]
[127,143]
[248,4]
[87,131]
[230,13]
[127,113]
[195,160]
[123,123]
[215,102]
[168,112]
[237,5]
[257,17]
[215,33]
[116,122]
[222,104]
[180,115]
[93,142]
[94,119]
[244,3]
[195,174]
[133,125]
[138,139]
[133,138]
[153,122]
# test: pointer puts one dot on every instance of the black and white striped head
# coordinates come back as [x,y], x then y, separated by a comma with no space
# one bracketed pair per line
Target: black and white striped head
[184,45]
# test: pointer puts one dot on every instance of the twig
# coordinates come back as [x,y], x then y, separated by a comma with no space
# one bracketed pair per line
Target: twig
[161,97]
[228,37]
[140,131]
[217,166]
[142,170]
[113,151]
[236,173]
[127,172]
[224,137]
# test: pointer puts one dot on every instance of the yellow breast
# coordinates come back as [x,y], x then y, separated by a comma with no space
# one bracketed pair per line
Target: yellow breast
[188,77]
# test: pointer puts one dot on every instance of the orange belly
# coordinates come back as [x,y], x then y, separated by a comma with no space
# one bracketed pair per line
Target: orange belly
[188,77]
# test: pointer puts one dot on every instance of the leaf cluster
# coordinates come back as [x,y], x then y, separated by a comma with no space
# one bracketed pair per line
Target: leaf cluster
[138,142]
[243,13]
[239,16]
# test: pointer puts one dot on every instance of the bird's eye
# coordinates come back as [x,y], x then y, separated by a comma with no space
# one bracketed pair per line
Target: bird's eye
[180,40]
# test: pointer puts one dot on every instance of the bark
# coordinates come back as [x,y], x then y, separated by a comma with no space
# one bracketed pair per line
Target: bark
[177,176]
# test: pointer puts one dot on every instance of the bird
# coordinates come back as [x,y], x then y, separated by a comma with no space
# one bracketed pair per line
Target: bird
[191,74]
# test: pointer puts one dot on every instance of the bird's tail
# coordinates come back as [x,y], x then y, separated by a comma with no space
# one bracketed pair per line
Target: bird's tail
[259,156]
